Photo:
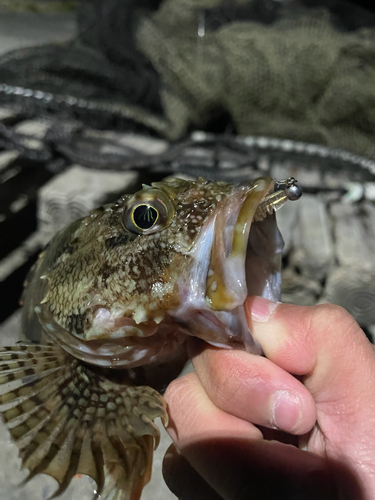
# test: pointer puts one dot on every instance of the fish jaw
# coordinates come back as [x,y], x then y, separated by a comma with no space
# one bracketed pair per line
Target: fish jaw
[128,352]
[233,259]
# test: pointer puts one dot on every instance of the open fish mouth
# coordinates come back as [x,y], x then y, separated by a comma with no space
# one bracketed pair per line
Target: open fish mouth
[239,254]
[247,246]
[226,286]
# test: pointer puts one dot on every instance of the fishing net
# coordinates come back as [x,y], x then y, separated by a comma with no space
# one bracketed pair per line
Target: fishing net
[301,70]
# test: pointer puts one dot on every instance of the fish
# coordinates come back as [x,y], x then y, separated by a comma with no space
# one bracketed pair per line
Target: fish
[115,296]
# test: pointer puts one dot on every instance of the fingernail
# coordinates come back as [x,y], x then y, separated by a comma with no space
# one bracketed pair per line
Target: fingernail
[261,309]
[286,411]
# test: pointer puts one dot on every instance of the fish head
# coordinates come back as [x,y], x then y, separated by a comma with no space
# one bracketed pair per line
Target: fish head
[128,284]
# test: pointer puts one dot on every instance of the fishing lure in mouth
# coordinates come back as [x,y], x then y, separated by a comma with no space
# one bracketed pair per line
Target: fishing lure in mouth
[115,296]
[276,200]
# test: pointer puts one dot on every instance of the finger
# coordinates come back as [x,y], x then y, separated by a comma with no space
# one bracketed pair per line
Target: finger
[193,416]
[254,389]
[327,347]
[183,480]
[229,454]
[322,343]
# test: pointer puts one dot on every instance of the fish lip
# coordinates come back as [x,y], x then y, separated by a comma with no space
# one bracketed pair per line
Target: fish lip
[129,352]
[226,281]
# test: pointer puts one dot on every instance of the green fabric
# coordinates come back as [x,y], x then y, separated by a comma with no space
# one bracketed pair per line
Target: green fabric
[298,78]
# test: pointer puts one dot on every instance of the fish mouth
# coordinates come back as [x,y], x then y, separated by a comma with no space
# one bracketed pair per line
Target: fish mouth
[238,254]
[245,253]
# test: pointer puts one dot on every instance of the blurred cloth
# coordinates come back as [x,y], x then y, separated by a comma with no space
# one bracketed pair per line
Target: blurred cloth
[291,70]
[299,77]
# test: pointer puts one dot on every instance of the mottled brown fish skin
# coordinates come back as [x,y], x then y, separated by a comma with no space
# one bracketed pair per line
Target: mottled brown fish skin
[135,273]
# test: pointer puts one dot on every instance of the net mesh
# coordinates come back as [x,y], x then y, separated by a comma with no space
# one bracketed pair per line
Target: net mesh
[300,77]
[300,70]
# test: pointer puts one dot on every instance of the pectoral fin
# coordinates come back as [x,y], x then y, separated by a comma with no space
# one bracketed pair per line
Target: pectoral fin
[68,419]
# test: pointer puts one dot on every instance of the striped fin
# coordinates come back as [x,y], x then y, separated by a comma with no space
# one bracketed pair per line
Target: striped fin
[67,418]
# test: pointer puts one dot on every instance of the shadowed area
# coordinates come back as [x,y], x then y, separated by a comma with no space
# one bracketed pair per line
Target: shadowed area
[264,470]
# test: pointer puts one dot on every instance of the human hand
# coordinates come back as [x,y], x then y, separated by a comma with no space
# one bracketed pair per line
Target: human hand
[231,420]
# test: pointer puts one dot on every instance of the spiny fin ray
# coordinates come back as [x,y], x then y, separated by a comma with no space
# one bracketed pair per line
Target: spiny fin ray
[68,419]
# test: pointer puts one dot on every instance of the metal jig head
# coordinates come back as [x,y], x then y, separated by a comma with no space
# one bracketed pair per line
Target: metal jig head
[274,201]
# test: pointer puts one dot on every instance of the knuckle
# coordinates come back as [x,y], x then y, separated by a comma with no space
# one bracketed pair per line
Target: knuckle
[228,376]
[333,321]
[332,314]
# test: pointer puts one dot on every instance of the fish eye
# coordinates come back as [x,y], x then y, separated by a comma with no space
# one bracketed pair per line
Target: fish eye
[144,216]
[147,212]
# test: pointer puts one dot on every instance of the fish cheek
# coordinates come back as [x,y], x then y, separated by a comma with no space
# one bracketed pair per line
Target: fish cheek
[171,275]
[104,276]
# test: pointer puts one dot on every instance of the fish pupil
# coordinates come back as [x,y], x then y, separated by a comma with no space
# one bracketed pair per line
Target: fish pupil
[145,216]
